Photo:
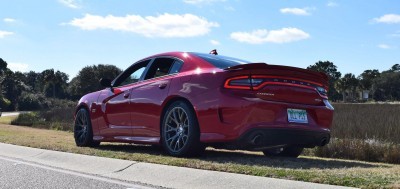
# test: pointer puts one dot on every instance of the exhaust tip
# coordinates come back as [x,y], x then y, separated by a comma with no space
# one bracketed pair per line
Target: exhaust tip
[257,139]
[324,141]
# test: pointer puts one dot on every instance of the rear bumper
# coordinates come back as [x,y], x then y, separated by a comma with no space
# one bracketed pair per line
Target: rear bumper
[270,137]
[236,116]
[265,138]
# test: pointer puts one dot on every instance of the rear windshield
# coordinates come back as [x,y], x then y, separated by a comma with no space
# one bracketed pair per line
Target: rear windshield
[221,61]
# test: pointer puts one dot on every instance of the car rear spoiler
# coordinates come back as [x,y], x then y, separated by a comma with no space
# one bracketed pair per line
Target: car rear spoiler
[266,66]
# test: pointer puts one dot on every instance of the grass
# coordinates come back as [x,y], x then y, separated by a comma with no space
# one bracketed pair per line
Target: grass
[310,169]
[357,149]
[7,119]
[367,132]
[379,122]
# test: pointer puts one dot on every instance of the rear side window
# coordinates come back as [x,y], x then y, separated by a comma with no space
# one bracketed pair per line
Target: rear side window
[176,67]
[163,66]
[219,61]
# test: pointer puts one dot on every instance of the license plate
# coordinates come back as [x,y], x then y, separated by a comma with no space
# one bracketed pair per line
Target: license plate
[297,116]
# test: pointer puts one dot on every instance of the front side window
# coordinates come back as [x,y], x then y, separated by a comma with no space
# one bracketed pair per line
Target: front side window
[132,74]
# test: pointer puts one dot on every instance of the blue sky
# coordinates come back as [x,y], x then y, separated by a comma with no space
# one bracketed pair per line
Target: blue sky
[68,35]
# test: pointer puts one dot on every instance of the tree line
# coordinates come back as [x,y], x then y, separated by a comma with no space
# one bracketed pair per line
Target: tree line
[369,85]
[38,90]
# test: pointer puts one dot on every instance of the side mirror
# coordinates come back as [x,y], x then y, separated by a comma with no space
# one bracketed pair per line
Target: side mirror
[105,82]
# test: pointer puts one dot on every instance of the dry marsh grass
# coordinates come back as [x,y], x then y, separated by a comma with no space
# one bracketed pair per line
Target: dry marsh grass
[379,122]
[310,169]
[368,132]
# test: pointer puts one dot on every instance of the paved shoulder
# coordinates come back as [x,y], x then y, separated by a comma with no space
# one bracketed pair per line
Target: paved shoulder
[146,173]
[5,114]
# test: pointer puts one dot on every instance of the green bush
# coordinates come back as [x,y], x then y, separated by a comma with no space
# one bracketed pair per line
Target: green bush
[56,119]
[30,101]
[4,103]
[28,119]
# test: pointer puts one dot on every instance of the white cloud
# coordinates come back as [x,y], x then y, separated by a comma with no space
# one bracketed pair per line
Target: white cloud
[70,3]
[296,11]
[384,46]
[21,67]
[388,19]
[9,20]
[5,33]
[396,34]
[332,4]
[229,8]
[215,42]
[284,35]
[165,25]
[197,2]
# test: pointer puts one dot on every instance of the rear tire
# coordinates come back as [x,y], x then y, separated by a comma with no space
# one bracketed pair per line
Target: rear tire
[180,132]
[83,132]
[290,151]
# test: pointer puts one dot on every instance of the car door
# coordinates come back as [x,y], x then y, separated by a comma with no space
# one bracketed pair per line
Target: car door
[115,102]
[146,99]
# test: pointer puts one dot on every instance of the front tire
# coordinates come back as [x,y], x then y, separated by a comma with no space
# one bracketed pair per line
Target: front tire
[83,132]
[289,151]
[180,133]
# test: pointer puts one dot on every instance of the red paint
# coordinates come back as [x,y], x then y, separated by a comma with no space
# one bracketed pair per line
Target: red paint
[224,112]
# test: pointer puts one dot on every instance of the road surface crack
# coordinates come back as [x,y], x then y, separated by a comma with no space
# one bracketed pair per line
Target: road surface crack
[120,170]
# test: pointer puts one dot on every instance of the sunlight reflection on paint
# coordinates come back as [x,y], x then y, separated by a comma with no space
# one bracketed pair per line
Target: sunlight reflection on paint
[198,71]
[187,87]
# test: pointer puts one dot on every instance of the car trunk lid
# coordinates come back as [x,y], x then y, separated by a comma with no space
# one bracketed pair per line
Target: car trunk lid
[280,83]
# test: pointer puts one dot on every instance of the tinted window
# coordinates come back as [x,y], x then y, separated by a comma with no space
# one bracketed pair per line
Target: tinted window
[160,67]
[176,67]
[132,74]
[221,61]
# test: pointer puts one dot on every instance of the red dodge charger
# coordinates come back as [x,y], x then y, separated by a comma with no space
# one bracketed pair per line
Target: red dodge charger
[187,101]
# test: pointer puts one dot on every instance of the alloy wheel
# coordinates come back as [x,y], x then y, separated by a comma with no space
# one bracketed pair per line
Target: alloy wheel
[81,126]
[176,129]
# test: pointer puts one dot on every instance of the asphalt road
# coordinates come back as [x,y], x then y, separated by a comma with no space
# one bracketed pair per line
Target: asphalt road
[21,174]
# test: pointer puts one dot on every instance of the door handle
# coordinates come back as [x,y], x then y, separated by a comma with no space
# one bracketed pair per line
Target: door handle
[126,95]
[162,85]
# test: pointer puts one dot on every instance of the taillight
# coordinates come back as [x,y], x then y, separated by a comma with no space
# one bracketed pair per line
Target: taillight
[256,82]
[242,82]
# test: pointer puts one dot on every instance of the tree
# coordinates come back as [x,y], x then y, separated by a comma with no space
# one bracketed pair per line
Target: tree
[13,87]
[3,69]
[55,83]
[88,78]
[367,78]
[331,70]
[386,87]
[395,68]
[3,66]
[34,81]
[347,85]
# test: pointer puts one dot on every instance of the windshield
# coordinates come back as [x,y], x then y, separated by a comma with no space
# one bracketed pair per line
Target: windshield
[221,61]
